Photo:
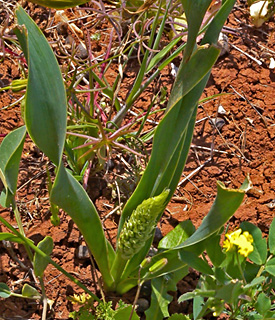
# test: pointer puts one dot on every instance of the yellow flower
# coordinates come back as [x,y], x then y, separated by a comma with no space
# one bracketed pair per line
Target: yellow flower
[237,240]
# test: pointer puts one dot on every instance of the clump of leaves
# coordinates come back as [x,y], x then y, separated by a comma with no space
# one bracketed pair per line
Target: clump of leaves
[103,311]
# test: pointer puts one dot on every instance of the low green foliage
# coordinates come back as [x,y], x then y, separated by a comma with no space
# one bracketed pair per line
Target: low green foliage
[242,281]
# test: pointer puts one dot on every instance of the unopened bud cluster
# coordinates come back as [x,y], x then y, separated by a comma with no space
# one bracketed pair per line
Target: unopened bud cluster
[138,229]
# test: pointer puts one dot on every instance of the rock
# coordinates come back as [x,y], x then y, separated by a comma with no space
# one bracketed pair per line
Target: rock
[62,28]
[146,289]
[81,51]
[158,236]
[142,305]
[82,253]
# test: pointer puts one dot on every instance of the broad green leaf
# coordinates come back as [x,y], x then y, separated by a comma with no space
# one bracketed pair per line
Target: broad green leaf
[214,250]
[224,206]
[251,270]
[192,260]
[176,236]
[198,304]
[39,262]
[256,281]
[69,195]
[230,292]
[271,237]
[186,78]
[270,266]
[124,313]
[45,105]
[30,292]
[194,11]
[160,298]
[197,292]
[4,291]
[11,151]
[10,237]
[259,254]
[263,304]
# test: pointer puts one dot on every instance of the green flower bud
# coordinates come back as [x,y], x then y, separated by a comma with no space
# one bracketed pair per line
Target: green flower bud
[138,229]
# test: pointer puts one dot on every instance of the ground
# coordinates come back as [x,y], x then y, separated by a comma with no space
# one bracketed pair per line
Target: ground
[240,144]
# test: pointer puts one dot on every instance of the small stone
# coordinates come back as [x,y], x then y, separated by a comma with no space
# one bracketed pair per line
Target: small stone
[271,204]
[221,109]
[146,289]
[82,252]
[69,41]
[223,44]
[217,122]
[81,51]
[62,28]
[272,63]
[158,236]
[142,305]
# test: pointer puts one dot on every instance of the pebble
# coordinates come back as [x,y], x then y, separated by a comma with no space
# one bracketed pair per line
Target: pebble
[81,51]
[158,236]
[82,252]
[62,28]
[271,204]
[218,122]
[223,44]
[142,305]
[146,289]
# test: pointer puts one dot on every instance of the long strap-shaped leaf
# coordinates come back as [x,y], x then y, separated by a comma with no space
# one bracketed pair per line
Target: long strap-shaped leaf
[45,116]
[169,136]
[194,11]
[10,155]
[168,156]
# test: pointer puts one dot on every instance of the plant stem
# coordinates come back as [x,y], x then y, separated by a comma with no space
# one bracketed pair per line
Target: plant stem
[44,299]
[20,227]
[240,267]
[118,268]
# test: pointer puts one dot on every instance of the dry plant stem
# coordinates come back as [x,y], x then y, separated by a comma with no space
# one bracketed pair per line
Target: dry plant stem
[190,175]
[111,212]
[245,98]
[140,283]
[21,230]
[246,54]
[8,246]
[44,299]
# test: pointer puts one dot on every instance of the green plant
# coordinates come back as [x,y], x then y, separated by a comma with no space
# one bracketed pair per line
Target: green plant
[241,281]
[45,115]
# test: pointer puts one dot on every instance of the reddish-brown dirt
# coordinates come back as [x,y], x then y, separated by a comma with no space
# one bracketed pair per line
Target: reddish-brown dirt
[243,145]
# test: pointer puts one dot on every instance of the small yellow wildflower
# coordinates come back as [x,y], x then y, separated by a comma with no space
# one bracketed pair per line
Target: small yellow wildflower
[240,241]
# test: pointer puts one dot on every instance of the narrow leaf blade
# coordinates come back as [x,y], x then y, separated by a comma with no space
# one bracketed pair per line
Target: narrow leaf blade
[69,195]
